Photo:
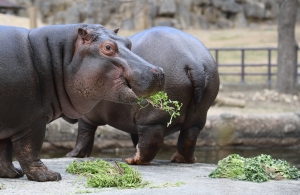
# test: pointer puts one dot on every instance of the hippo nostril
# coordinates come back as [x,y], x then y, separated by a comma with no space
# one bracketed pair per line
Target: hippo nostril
[154,70]
[161,69]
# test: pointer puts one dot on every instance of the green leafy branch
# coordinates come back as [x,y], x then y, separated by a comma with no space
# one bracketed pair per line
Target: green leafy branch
[161,101]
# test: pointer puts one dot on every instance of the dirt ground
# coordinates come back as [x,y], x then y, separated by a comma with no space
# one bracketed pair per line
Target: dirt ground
[258,102]
[11,20]
[258,36]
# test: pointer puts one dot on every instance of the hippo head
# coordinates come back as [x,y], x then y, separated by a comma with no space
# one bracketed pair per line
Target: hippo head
[104,68]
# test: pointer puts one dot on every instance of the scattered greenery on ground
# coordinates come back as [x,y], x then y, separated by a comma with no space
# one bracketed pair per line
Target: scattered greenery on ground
[83,192]
[161,101]
[257,169]
[168,184]
[102,174]
[2,187]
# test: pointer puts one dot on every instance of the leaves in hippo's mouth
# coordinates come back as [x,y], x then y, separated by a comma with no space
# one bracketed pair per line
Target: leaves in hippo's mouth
[161,101]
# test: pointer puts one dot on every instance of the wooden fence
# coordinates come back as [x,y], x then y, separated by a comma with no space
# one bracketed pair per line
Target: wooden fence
[265,66]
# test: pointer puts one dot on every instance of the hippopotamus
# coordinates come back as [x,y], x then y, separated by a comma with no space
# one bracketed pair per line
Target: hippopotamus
[61,70]
[191,78]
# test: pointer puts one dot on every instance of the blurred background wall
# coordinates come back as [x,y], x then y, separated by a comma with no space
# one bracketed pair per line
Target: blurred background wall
[141,14]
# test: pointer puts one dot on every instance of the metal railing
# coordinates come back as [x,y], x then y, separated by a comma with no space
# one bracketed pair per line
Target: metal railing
[242,73]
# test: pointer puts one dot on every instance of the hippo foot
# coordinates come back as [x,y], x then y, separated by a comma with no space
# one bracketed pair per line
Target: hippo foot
[76,153]
[10,172]
[178,158]
[42,174]
[135,161]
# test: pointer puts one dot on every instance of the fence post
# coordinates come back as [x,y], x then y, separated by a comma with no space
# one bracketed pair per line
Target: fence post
[243,66]
[269,69]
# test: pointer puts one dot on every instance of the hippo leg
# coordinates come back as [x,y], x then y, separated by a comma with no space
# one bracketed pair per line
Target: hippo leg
[186,146]
[85,140]
[134,139]
[150,141]
[27,151]
[7,169]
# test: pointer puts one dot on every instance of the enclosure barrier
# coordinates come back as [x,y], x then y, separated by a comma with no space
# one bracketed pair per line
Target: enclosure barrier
[271,67]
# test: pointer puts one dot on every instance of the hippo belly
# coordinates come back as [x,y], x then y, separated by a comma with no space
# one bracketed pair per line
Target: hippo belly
[106,113]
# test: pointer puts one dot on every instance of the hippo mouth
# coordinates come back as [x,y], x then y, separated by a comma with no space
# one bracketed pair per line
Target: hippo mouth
[121,81]
[126,82]
[127,94]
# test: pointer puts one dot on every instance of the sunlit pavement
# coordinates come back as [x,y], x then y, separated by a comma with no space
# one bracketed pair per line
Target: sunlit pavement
[163,177]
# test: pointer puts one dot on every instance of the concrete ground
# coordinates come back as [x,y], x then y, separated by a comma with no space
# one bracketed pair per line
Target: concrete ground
[158,173]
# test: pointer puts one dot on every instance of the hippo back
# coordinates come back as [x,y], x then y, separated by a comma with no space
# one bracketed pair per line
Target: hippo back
[191,75]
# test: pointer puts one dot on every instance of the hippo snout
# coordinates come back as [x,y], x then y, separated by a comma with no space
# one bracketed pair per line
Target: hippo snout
[161,78]
[147,83]
[159,74]
[158,79]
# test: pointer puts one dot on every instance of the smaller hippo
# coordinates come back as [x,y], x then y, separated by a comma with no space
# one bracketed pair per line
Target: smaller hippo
[191,78]
[61,70]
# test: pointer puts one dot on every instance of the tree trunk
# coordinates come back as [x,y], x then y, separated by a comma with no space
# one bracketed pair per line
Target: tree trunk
[32,16]
[287,47]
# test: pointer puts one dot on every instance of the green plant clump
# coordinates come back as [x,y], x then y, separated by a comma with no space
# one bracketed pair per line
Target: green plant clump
[102,174]
[161,101]
[258,169]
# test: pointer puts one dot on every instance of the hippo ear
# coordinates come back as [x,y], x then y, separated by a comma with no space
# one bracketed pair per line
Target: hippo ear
[84,34]
[116,30]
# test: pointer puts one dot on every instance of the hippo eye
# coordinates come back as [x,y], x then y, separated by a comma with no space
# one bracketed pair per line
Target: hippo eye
[109,48]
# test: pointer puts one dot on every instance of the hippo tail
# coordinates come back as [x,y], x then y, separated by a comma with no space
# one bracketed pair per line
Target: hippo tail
[197,76]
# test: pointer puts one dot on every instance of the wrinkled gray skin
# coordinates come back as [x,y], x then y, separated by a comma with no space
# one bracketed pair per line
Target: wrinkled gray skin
[191,77]
[61,70]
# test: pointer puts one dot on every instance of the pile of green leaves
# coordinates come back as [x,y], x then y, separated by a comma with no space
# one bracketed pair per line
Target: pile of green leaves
[258,169]
[161,101]
[102,174]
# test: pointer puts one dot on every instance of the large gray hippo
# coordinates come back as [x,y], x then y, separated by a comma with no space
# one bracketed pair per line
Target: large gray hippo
[191,77]
[61,70]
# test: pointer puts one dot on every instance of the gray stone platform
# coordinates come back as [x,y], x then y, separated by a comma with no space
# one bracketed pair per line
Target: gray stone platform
[158,173]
